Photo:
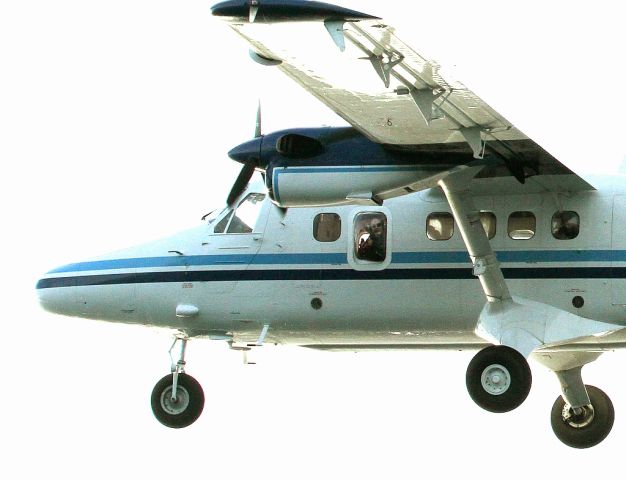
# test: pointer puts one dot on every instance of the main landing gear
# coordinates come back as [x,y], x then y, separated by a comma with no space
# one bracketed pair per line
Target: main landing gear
[177,399]
[499,379]
[585,426]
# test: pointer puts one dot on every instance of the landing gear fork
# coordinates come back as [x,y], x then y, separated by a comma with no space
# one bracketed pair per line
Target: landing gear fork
[178,367]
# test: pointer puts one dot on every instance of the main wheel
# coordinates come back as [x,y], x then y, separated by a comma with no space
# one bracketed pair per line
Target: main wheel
[187,407]
[587,428]
[498,379]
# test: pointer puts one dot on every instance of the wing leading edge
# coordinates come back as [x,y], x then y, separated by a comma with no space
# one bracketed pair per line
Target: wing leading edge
[393,94]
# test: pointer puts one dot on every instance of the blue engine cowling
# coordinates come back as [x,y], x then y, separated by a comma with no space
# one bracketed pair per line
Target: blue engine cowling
[333,166]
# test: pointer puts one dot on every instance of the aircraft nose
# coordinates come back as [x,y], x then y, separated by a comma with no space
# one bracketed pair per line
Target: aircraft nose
[54,295]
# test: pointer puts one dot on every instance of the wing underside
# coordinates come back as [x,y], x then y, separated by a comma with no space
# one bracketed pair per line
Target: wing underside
[391,92]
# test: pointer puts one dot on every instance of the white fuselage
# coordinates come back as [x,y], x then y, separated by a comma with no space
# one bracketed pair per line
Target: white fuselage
[279,283]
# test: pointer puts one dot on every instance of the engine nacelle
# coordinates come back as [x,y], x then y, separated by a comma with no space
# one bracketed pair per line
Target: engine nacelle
[305,186]
[333,166]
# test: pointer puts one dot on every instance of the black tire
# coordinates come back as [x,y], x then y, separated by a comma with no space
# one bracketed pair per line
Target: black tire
[187,408]
[505,396]
[587,429]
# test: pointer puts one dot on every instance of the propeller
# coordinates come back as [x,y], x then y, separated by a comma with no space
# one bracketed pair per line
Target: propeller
[253,6]
[249,166]
[249,155]
[241,183]
[257,126]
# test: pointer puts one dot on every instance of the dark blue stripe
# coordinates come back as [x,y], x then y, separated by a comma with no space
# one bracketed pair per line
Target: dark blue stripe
[326,274]
[524,256]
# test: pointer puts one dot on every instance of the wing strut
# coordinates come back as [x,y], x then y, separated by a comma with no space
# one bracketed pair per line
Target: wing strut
[516,322]
[335,29]
[467,217]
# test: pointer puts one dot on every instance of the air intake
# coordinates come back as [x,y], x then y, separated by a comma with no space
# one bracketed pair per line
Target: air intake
[298,146]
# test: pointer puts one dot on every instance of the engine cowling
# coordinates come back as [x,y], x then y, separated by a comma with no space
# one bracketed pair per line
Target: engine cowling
[333,166]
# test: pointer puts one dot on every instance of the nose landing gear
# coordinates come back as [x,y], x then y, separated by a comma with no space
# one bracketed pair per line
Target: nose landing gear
[177,399]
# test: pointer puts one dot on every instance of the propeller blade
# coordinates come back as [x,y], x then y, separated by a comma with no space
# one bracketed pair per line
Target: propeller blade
[254,8]
[257,127]
[241,183]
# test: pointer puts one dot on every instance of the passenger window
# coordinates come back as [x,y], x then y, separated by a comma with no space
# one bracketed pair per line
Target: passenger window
[243,219]
[370,236]
[565,225]
[327,227]
[440,226]
[522,225]
[488,219]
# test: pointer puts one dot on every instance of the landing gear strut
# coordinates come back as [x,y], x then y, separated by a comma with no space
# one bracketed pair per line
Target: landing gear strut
[177,399]
[498,379]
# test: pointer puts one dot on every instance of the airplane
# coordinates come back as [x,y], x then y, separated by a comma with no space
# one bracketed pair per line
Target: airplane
[430,222]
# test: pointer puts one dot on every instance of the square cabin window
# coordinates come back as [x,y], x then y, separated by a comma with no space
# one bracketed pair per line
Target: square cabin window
[440,226]
[370,236]
[327,227]
[488,219]
[522,225]
[565,225]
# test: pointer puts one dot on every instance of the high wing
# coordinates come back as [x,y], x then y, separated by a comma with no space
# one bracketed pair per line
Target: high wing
[391,92]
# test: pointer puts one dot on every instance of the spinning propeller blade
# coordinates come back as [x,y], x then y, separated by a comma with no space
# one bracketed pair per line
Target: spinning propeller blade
[241,183]
[249,166]
[257,127]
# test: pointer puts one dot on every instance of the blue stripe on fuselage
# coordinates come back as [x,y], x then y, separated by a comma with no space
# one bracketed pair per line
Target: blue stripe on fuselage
[525,256]
[323,275]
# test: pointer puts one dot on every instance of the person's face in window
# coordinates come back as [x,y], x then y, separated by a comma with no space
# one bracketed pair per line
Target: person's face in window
[377,227]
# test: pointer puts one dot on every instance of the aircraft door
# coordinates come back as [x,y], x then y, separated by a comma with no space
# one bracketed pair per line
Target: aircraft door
[369,252]
[236,240]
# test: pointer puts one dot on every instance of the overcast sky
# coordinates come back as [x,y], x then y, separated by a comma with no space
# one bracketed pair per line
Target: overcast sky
[115,120]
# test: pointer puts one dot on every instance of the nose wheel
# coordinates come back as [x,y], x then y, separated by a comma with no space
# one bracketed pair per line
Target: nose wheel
[585,426]
[177,399]
[182,409]
[498,379]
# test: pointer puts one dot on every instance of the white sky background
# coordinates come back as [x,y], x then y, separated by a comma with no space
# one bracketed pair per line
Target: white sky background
[115,120]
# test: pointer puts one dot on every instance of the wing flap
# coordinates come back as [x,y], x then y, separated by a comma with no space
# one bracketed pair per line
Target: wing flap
[349,84]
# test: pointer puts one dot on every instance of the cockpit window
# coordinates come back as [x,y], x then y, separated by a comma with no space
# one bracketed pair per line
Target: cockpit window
[244,217]
[223,223]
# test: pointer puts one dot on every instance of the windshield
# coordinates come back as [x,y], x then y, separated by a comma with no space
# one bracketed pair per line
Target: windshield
[244,218]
